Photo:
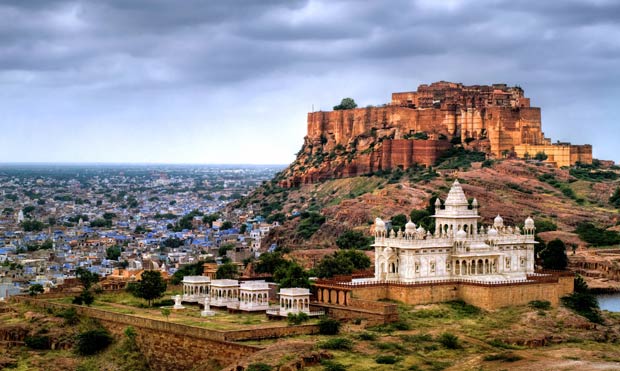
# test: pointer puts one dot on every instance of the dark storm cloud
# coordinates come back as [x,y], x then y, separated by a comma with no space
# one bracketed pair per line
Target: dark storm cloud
[219,42]
[563,53]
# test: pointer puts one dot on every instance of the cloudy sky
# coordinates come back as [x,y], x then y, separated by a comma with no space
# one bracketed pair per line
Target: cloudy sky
[201,81]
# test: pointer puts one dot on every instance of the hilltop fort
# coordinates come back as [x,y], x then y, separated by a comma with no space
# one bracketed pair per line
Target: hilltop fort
[418,127]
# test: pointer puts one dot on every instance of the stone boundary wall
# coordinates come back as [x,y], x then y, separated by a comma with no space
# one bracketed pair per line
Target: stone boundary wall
[487,296]
[173,346]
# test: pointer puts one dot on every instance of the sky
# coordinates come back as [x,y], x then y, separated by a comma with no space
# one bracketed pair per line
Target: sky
[195,81]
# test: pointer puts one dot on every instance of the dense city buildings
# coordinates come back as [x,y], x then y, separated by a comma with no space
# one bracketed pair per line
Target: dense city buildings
[118,220]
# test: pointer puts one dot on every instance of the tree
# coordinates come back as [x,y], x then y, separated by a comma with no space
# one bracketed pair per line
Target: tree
[331,266]
[358,259]
[399,221]
[151,286]
[243,229]
[209,219]
[101,223]
[28,210]
[227,271]
[35,289]
[173,242]
[554,255]
[226,225]
[583,302]
[224,248]
[85,297]
[346,103]
[341,263]
[545,225]
[140,229]
[109,216]
[292,275]
[269,262]
[541,156]
[354,240]
[87,278]
[195,269]
[47,244]
[113,252]
[32,226]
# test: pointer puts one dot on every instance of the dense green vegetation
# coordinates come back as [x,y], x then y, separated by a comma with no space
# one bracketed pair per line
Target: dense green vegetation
[93,341]
[614,200]
[309,224]
[459,158]
[399,221]
[597,236]
[544,225]
[195,269]
[346,103]
[554,255]
[562,187]
[291,275]
[32,225]
[329,326]
[113,252]
[151,286]
[227,271]
[35,289]
[354,240]
[341,263]
[39,342]
[583,302]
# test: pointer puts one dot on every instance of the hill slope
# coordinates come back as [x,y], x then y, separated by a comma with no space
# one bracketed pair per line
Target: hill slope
[513,188]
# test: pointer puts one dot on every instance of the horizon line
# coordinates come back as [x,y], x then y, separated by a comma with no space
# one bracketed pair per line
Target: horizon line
[63,163]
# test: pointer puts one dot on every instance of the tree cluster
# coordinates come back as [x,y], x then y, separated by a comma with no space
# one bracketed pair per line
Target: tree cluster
[342,262]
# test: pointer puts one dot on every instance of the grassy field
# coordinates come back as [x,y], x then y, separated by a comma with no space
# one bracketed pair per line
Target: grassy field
[125,303]
[449,336]
[456,336]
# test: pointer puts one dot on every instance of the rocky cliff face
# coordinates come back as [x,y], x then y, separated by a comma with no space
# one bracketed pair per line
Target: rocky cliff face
[321,160]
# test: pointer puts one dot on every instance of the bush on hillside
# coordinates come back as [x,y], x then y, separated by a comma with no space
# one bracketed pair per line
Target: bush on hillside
[328,326]
[93,341]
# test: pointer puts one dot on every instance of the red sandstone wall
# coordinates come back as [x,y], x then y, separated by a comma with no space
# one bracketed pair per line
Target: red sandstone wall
[342,126]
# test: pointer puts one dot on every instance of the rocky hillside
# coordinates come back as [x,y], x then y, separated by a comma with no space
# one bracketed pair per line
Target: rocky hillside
[313,215]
